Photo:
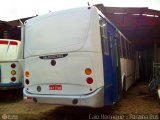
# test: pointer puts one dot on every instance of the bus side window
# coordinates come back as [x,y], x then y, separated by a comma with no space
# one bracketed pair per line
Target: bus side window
[123,47]
[130,51]
[119,45]
[126,44]
[103,29]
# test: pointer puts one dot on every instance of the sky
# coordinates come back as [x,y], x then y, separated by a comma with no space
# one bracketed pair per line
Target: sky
[16,9]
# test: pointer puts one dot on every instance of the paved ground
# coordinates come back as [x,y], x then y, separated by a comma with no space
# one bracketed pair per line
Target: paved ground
[138,101]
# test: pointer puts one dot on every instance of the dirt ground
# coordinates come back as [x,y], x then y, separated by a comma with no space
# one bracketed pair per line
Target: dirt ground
[137,101]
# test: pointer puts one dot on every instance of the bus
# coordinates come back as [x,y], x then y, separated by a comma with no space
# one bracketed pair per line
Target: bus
[10,69]
[76,57]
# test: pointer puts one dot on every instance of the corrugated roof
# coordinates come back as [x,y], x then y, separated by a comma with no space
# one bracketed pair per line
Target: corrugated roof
[140,25]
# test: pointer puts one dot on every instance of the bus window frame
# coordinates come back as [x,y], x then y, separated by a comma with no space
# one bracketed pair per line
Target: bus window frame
[121,48]
[103,33]
[119,44]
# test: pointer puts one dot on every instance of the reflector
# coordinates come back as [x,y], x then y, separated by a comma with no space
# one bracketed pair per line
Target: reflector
[29,97]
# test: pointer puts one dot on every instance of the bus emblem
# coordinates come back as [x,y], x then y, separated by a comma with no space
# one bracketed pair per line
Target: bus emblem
[53,56]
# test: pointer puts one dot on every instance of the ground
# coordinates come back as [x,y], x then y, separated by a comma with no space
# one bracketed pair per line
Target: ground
[137,101]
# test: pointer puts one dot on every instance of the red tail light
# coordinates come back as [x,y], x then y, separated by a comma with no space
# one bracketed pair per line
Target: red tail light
[13,65]
[13,43]
[13,79]
[27,81]
[89,80]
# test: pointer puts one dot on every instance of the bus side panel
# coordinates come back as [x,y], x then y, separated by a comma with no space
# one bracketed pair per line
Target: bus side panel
[108,77]
[129,73]
[113,64]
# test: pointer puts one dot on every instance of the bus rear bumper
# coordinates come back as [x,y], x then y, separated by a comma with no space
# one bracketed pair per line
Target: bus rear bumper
[94,99]
[6,86]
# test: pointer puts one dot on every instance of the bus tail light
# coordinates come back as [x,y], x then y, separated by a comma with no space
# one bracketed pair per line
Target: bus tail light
[27,81]
[13,72]
[13,65]
[27,74]
[13,79]
[89,80]
[88,71]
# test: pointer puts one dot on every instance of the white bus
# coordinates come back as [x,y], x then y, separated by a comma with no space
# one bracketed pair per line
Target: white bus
[10,70]
[72,57]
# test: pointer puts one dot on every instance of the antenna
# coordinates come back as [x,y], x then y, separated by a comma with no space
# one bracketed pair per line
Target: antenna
[89,7]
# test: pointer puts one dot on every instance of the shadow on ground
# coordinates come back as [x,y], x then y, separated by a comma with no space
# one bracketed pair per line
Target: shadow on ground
[11,96]
[78,113]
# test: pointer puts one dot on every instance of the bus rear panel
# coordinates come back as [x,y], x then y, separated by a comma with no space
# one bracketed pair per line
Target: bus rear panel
[10,69]
[61,54]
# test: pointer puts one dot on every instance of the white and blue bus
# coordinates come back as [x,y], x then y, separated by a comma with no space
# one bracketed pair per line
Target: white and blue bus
[10,69]
[76,57]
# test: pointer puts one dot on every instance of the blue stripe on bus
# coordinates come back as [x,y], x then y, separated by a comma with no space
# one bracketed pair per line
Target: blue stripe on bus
[110,70]
[11,85]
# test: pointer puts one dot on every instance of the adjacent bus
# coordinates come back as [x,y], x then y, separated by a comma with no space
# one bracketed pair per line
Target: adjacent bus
[10,69]
[76,57]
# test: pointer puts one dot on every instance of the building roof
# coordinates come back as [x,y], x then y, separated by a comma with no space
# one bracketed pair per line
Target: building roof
[140,25]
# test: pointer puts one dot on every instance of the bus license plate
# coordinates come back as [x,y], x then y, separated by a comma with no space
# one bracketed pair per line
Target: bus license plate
[55,87]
